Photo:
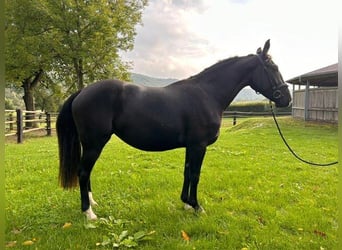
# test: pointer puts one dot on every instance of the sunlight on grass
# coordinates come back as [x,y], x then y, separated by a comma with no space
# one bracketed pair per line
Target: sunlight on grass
[256,195]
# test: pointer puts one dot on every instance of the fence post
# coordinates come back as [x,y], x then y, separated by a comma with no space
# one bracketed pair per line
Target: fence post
[11,120]
[234,119]
[19,126]
[48,124]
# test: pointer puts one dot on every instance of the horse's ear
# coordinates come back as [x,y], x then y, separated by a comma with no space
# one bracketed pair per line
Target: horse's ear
[266,47]
[259,51]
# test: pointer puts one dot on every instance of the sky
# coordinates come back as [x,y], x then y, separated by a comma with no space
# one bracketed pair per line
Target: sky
[180,38]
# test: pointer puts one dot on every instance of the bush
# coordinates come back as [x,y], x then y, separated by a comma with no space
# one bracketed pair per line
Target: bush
[254,106]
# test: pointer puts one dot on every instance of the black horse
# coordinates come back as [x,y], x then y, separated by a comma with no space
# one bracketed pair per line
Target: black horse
[186,114]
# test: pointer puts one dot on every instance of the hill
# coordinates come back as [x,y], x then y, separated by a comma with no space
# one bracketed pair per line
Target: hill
[151,81]
[246,94]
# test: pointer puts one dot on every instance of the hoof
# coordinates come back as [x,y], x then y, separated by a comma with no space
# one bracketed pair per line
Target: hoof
[91,199]
[187,207]
[198,209]
[90,214]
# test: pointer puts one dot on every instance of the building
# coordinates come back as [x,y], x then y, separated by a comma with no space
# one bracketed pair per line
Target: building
[315,96]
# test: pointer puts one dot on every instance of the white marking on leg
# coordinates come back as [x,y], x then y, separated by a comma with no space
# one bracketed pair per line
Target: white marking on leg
[199,210]
[90,214]
[187,206]
[91,200]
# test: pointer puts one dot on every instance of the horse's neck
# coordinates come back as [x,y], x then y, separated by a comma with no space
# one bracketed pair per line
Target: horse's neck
[224,80]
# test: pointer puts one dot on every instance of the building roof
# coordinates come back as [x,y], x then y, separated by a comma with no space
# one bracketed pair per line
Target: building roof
[323,77]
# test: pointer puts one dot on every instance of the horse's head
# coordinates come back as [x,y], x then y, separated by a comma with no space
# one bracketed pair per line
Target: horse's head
[267,79]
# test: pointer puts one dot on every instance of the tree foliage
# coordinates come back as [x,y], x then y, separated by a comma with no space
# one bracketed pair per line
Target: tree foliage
[27,48]
[61,46]
[27,54]
[88,36]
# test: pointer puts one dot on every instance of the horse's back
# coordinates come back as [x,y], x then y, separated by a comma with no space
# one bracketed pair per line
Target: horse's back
[98,92]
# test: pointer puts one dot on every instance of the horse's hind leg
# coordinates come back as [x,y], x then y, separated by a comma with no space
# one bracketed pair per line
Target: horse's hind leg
[90,194]
[89,157]
[91,152]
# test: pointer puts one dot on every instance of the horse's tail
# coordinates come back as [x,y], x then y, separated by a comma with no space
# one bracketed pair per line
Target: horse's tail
[69,146]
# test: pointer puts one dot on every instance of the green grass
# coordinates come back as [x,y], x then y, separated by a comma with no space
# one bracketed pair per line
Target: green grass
[256,195]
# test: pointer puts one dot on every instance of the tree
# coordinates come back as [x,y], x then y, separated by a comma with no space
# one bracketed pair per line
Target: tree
[75,41]
[27,56]
[88,36]
[49,95]
[26,51]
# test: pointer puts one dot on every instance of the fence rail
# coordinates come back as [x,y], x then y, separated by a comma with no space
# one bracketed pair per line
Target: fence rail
[18,122]
[239,114]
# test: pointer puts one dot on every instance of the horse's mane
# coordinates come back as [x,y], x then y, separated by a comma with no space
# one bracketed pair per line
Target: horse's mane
[224,62]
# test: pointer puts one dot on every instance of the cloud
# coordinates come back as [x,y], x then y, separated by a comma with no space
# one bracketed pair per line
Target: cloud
[182,37]
[165,44]
[197,5]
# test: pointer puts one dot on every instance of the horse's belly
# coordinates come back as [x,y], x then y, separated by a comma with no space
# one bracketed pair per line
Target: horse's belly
[151,138]
[152,142]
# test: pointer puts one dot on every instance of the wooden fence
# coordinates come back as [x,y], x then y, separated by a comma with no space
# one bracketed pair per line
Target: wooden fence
[237,114]
[18,122]
[319,104]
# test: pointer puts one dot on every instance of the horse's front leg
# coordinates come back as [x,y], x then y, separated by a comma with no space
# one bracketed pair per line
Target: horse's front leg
[193,162]
[186,182]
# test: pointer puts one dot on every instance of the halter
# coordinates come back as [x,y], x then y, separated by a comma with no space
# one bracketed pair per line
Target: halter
[277,94]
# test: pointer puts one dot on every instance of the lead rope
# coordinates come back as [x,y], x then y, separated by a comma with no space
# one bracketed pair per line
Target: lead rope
[291,150]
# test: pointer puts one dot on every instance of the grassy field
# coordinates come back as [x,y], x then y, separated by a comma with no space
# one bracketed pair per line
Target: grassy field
[256,195]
